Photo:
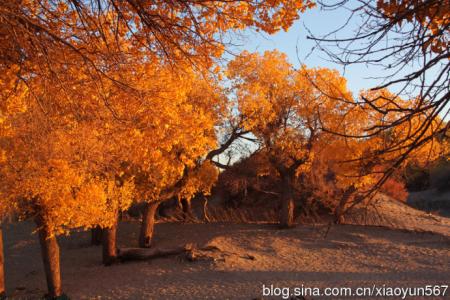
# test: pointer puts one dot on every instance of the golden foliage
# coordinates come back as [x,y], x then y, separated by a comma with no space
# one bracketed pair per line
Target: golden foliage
[76,152]
[434,16]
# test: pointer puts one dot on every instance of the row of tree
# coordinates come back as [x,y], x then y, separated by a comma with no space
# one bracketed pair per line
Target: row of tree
[109,103]
[70,165]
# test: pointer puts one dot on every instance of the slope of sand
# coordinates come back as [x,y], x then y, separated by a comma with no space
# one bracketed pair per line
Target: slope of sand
[241,258]
[397,215]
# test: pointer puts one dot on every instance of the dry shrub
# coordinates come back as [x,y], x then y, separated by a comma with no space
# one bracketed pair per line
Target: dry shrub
[395,189]
[248,182]
[252,185]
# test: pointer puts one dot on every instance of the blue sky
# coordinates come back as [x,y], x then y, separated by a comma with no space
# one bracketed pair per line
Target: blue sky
[295,44]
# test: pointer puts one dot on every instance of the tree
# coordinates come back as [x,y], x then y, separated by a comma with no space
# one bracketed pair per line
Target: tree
[409,41]
[367,164]
[6,207]
[282,107]
[307,123]
[47,183]
[180,134]
[58,165]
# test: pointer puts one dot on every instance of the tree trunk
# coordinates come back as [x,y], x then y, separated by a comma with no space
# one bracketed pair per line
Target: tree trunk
[96,236]
[205,210]
[287,205]
[287,212]
[109,247]
[50,257]
[187,209]
[2,274]
[147,225]
[340,209]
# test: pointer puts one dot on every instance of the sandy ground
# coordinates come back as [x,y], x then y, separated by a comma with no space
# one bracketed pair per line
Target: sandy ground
[246,257]
[397,215]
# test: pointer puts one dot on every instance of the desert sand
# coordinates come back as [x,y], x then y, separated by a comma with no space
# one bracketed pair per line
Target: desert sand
[413,252]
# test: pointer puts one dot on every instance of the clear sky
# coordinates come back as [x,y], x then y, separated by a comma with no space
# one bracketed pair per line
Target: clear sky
[295,44]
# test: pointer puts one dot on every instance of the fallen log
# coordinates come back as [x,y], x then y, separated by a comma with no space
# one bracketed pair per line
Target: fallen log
[190,251]
[139,254]
[214,253]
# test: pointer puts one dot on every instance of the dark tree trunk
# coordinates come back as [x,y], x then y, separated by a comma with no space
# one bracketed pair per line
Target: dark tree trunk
[187,209]
[2,274]
[287,211]
[96,236]
[50,257]
[148,225]
[287,204]
[109,247]
[340,209]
